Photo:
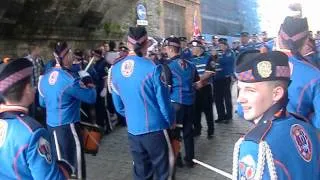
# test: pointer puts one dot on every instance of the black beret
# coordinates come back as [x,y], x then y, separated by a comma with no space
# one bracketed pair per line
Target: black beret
[196,43]
[78,54]
[60,47]
[215,37]
[13,72]
[223,41]
[123,48]
[257,67]
[293,32]
[97,52]
[172,41]
[137,35]
[244,34]
[183,38]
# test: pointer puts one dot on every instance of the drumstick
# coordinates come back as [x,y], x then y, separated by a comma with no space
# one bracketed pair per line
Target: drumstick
[223,173]
[81,110]
[90,63]
[56,57]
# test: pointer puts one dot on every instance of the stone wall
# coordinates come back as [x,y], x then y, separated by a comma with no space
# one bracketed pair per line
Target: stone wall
[83,23]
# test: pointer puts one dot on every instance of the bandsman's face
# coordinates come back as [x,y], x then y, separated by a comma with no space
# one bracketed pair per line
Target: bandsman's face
[244,39]
[255,99]
[196,50]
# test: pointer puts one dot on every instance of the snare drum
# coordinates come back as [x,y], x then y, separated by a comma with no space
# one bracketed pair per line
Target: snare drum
[92,134]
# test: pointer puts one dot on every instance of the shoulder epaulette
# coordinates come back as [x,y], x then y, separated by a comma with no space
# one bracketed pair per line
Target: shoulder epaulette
[258,133]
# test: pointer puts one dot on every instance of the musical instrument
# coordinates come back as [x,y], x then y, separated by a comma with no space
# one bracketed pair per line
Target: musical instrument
[92,134]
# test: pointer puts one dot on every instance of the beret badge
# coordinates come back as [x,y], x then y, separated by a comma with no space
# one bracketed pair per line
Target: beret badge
[264,69]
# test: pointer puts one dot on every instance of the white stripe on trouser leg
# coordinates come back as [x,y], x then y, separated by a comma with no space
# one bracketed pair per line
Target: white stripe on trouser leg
[57,145]
[78,149]
[56,142]
[171,155]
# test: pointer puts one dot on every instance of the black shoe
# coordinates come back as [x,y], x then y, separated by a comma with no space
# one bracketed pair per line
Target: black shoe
[189,164]
[196,134]
[179,162]
[226,121]
[218,121]
[210,136]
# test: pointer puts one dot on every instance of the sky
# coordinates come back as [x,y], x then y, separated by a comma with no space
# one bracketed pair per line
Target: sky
[273,12]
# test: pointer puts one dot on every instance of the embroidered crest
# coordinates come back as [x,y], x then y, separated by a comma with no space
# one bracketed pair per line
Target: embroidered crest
[3,131]
[127,68]
[183,64]
[264,69]
[302,142]
[213,64]
[44,149]
[247,167]
[53,77]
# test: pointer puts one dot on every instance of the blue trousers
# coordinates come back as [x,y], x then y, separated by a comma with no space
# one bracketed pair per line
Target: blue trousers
[184,114]
[67,147]
[152,156]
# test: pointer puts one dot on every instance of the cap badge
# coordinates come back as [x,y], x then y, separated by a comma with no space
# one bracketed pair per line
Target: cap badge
[264,69]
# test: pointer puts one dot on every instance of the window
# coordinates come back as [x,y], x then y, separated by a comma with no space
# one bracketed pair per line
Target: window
[174,19]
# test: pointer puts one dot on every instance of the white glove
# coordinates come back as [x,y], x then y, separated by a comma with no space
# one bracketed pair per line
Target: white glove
[103,93]
[83,74]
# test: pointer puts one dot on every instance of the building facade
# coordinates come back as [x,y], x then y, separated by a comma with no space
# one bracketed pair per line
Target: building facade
[172,17]
[229,17]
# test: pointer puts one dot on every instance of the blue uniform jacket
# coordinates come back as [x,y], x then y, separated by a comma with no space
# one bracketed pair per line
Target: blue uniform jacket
[226,64]
[101,69]
[304,91]
[318,47]
[247,47]
[140,95]
[186,54]
[184,74]
[294,146]
[203,63]
[25,150]
[61,94]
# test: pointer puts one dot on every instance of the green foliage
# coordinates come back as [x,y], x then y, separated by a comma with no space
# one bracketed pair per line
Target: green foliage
[113,29]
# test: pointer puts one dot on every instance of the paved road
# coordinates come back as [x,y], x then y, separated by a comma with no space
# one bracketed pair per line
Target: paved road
[113,162]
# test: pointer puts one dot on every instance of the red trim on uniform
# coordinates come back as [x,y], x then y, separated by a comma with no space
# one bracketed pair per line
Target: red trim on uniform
[283,167]
[16,159]
[180,85]
[267,130]
[145,100]
[60,104]
[303,91]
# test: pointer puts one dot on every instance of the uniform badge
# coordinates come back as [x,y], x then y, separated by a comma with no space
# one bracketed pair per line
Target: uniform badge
[213,64]
[3,132]
[247,167]
[264,69]
[53,77]
[302,142]
[127,68]
[44,149]
[183,64]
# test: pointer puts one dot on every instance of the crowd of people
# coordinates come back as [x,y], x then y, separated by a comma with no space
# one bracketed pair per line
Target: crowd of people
[160,93]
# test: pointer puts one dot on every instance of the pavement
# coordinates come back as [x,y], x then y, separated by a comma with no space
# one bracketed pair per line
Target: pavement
[113,162]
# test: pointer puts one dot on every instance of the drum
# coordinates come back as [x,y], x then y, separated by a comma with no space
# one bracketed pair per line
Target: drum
[92,134]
